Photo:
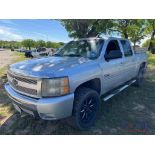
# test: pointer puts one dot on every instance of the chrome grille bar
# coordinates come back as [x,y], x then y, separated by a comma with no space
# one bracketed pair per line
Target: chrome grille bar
[24,85]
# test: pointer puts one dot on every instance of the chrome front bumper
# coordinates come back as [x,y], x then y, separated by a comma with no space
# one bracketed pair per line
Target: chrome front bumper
[47,108]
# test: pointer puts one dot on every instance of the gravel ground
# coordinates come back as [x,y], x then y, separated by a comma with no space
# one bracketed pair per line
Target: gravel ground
[6,57]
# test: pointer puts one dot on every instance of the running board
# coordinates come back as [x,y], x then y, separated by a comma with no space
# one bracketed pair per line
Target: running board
[118,90]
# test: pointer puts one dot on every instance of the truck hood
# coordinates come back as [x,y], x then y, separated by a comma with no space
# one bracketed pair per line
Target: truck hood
[47,66]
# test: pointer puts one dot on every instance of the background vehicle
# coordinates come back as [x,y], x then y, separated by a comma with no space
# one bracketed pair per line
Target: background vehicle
[70,83]
[52,51]
[28,54]
[42,51]
[21,50]
[12,49]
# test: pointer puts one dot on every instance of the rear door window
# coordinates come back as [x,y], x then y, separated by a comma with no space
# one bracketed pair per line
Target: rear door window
[126,48]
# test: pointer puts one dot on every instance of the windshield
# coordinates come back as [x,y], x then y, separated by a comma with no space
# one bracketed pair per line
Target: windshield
[82,48]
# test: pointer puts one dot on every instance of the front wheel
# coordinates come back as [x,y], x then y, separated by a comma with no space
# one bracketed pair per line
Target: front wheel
[86,107]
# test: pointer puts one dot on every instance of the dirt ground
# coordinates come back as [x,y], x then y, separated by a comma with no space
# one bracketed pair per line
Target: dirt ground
[130,112]
[5,58]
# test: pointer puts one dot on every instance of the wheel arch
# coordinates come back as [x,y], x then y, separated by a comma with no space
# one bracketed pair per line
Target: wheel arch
[143,64]
[94,84]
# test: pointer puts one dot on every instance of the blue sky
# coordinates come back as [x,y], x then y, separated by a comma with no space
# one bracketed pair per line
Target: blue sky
[19,29]
[44,29]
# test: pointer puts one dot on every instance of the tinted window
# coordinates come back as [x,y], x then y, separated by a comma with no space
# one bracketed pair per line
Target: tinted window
[112,46]
[126,48]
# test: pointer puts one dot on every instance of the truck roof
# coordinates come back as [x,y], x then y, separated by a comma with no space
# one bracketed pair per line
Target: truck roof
[103,38]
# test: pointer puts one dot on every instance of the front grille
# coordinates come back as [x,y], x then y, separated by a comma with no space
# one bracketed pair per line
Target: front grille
[23,85]
[22,78]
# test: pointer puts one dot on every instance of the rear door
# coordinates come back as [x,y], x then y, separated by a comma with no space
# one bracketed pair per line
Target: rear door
[129,62]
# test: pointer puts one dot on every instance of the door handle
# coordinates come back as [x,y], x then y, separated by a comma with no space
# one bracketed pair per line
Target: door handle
[106,75]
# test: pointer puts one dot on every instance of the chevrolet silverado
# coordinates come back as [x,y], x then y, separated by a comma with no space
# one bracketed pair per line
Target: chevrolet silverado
[72,82]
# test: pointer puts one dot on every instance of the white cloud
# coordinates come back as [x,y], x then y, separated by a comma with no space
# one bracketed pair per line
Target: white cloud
[7,33]
[7,21]
[38,36]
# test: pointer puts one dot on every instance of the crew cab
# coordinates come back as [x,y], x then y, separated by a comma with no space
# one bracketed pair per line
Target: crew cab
[71,83]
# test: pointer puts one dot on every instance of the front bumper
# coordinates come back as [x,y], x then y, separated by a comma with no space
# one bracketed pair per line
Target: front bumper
[47,108]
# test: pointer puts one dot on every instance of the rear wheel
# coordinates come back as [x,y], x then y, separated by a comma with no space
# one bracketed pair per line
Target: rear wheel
[86,107]
[140,77]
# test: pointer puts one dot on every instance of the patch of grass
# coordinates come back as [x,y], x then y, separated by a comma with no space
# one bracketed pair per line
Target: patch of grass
[2,71]
[151,59]
[5,106]
[19,56]
[4,109]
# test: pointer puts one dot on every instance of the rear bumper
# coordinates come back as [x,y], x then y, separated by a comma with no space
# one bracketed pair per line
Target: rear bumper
[47,108]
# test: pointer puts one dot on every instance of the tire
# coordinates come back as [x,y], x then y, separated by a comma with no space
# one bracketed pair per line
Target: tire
[86,108]
[140,77]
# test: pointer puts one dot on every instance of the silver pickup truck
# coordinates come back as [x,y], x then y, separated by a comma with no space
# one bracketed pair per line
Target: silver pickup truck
[71,83]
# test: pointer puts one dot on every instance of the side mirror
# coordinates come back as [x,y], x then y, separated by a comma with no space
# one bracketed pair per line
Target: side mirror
[113,54]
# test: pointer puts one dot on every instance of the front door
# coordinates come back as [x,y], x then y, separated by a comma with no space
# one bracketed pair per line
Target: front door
[112,68]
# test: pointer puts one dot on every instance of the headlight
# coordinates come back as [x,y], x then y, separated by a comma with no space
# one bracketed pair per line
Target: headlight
[55,87]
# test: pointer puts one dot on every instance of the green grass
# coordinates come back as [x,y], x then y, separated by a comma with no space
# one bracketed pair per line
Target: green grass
[19,56]
[151,59]
[2,71]
[15,58]
[130,112]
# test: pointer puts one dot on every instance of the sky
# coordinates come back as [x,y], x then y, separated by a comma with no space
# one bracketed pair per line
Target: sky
[37,29]
[44,29]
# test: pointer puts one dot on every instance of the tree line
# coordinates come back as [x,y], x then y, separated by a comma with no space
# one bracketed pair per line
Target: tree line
[133,29]
[29,43]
